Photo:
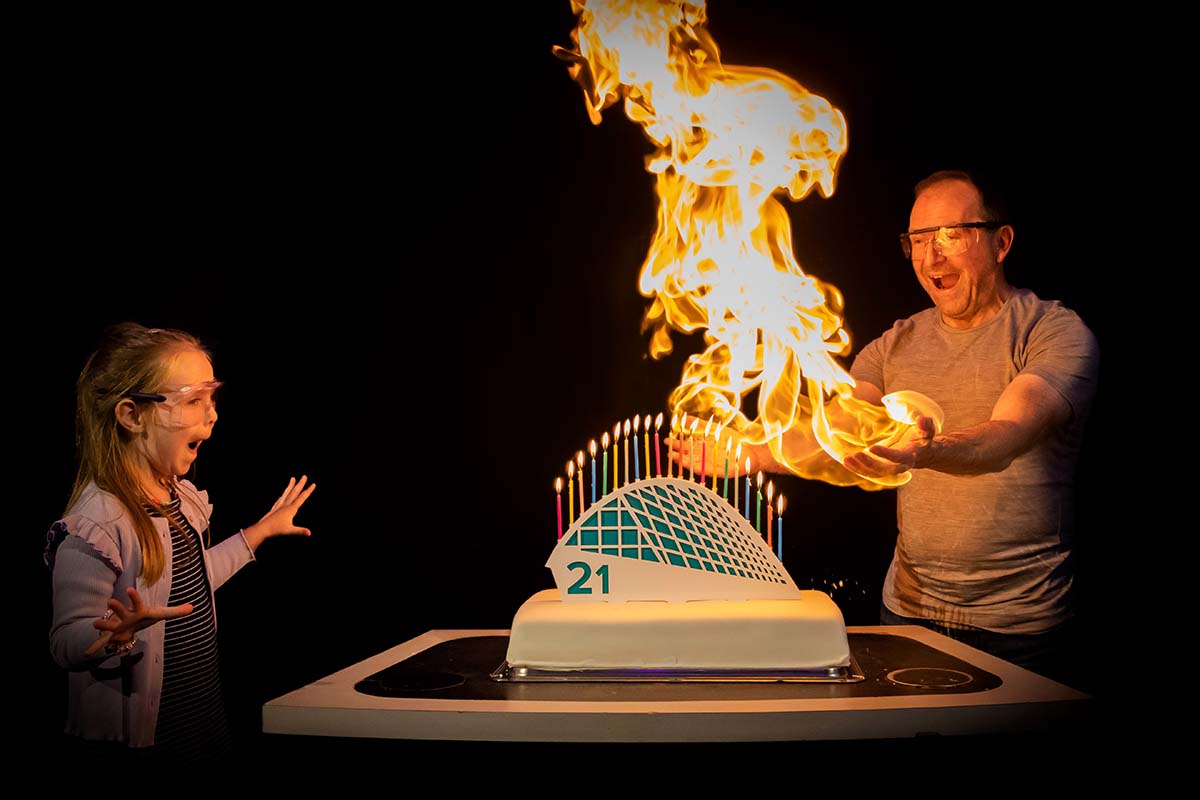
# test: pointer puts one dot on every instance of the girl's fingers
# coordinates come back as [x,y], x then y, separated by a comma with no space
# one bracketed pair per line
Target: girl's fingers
[96,645]
[285,498]
[171,612]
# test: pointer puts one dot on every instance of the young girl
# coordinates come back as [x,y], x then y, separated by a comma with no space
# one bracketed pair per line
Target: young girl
[134,620]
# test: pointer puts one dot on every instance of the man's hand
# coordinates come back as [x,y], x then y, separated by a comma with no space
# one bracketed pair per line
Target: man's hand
[911,452]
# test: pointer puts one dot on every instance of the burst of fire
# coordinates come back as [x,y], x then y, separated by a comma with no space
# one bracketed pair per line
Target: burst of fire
[728,140]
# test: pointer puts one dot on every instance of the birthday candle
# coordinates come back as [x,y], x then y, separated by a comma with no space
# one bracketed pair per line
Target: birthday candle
[616,456]
[692,451]
[646,442]
[770,494]
[779,531]
[627,452]
[558,494]
[737,465]
[682,433]
[637,467]
[658,458]
[704,449]
[604,474]
[571,492]
[672,437]
[579,461]
[716,443]
[758,506]
[592,450]
[747,488]
[725,493]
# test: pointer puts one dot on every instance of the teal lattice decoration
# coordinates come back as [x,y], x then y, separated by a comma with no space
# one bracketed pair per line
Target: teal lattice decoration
[666,539]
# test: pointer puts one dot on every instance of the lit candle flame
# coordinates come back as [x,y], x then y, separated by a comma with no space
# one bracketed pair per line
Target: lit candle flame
[579,458]
[604,442]
[592,447]
[636,421]
[571,470]
[770,488]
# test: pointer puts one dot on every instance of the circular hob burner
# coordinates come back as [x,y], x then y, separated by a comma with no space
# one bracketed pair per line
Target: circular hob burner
[929,677]
[399,682]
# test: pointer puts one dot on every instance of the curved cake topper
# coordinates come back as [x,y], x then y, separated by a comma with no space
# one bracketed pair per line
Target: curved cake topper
[666,539]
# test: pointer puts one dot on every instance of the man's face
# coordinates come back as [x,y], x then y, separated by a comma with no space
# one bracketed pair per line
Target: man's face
[968,288]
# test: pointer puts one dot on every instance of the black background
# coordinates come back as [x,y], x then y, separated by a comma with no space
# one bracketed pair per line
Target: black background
[415,261]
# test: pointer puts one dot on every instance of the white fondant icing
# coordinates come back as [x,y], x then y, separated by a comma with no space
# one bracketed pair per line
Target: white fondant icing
[798,634]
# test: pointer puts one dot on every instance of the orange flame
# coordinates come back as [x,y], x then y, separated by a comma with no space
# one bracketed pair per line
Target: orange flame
[728,140]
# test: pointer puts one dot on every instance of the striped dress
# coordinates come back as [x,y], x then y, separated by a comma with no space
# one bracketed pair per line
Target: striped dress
[191,719]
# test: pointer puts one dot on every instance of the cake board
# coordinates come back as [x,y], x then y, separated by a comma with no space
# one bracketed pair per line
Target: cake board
[839,674]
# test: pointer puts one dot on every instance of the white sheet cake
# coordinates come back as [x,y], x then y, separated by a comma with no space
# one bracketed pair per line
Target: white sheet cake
[807,633]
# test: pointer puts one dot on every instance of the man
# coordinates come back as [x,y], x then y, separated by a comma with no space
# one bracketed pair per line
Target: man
[984,546]
[983,552]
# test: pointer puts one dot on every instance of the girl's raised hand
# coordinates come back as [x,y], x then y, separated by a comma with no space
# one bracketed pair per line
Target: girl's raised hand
[279,520]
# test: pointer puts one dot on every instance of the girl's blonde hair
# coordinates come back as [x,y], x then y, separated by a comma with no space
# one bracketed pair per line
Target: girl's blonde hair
[130,358]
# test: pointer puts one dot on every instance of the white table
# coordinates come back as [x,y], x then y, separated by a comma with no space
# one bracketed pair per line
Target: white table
[1019,701]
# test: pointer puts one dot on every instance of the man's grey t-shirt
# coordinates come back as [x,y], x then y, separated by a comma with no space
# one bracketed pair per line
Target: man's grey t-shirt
[990,551]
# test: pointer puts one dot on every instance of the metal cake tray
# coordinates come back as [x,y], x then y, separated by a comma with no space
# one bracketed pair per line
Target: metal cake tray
[512,673]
